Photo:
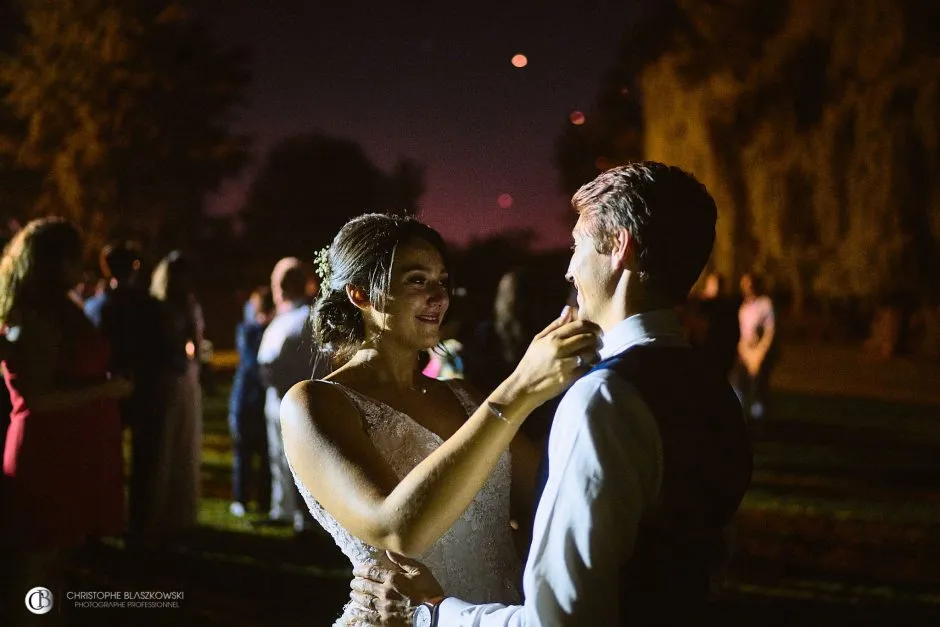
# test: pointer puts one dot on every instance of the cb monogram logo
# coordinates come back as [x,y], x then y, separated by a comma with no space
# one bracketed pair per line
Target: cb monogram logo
[39,600]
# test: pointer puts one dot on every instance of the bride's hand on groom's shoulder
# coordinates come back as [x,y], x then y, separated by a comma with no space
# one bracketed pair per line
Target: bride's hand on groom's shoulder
[557,356]
[389,595]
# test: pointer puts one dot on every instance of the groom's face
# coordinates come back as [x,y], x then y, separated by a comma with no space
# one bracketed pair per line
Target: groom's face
[590,272]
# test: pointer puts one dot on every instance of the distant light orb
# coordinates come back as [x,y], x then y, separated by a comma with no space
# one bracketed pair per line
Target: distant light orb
[505,201]
[577,118]
[520,60]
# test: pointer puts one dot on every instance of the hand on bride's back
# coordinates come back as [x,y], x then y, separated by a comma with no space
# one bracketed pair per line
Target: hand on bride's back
[557,356]
[388,596]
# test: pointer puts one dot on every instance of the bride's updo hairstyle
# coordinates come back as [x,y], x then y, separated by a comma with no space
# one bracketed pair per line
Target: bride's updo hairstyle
[362,254]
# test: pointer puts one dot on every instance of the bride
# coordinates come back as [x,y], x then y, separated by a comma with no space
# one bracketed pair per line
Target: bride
[390,460]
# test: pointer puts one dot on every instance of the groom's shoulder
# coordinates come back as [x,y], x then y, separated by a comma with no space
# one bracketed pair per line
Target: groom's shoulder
[600,386]
[600,403]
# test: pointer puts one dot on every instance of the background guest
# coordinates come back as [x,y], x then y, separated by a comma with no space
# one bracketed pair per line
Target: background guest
[713,324]
[62,460]
[246,409]
[757,348]
[445,360]
[499,343]
[177,485]
[134,323]
[286,357]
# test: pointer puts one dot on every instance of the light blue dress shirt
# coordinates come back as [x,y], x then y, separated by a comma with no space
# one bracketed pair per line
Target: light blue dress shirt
[605,471]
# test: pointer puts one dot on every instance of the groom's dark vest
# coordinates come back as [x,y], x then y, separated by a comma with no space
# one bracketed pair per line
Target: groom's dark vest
[707,465]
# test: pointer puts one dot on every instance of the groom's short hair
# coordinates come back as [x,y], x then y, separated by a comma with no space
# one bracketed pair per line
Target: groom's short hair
[668,213]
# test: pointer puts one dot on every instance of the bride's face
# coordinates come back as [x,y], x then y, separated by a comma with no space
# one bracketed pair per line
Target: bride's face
[418,297]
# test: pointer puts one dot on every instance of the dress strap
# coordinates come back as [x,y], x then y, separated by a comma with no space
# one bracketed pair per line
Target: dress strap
[355,399]
[463,395]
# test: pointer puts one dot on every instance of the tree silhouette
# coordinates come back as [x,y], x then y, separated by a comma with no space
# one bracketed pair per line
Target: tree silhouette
[311,184]
[612,133]
[812,123]
[16,184]
[125,108]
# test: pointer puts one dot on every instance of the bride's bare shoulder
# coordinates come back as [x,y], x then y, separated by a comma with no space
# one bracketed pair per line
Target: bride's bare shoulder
[351,376]
[317,402]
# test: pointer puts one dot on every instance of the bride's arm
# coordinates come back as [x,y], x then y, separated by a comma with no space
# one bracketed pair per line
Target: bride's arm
[337,463]
[525,464]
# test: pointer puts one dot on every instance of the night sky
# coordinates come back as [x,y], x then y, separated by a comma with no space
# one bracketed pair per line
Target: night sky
[435,84]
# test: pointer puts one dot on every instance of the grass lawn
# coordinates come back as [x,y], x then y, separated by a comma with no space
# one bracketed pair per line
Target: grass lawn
[841,459]
[842,514]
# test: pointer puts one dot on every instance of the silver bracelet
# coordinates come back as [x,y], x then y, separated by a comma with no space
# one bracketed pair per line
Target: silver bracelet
[496,410]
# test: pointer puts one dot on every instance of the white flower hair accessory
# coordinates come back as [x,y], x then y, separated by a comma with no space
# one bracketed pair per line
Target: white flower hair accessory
[322,265]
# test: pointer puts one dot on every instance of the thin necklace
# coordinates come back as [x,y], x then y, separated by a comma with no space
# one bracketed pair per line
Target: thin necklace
[417,388]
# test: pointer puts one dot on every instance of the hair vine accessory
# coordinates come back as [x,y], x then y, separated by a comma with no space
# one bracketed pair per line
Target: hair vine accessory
[322,262]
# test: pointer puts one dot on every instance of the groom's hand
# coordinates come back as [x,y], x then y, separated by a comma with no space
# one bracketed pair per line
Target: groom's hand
[391,594]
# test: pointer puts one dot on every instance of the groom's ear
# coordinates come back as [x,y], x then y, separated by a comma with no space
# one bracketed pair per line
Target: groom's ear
[621,255]
[358,297]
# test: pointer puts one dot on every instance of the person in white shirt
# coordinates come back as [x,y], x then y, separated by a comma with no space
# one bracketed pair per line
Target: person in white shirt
[648,455]
[286,356]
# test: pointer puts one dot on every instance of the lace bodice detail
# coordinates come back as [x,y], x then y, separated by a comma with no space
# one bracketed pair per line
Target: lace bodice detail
[475,560]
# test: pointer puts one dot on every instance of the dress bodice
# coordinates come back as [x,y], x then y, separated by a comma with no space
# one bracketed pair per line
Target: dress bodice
[475,559]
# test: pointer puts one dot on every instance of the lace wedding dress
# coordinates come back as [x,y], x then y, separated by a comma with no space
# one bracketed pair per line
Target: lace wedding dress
[476,559]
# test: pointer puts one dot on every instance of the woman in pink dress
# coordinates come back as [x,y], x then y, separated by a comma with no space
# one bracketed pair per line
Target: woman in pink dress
[62,460]
[757,348]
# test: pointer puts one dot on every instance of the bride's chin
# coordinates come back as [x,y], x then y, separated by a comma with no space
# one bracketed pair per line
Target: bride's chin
[427,342]
[430,344]
[417,340]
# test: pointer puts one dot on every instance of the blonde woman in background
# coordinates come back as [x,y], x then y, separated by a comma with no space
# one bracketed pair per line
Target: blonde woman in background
[177,491]
[62,466]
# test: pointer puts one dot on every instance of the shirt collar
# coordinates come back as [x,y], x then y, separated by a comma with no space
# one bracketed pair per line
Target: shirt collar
[294,305]
[661,325]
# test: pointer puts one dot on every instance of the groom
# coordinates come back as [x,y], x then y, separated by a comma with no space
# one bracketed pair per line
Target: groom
[648,455]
